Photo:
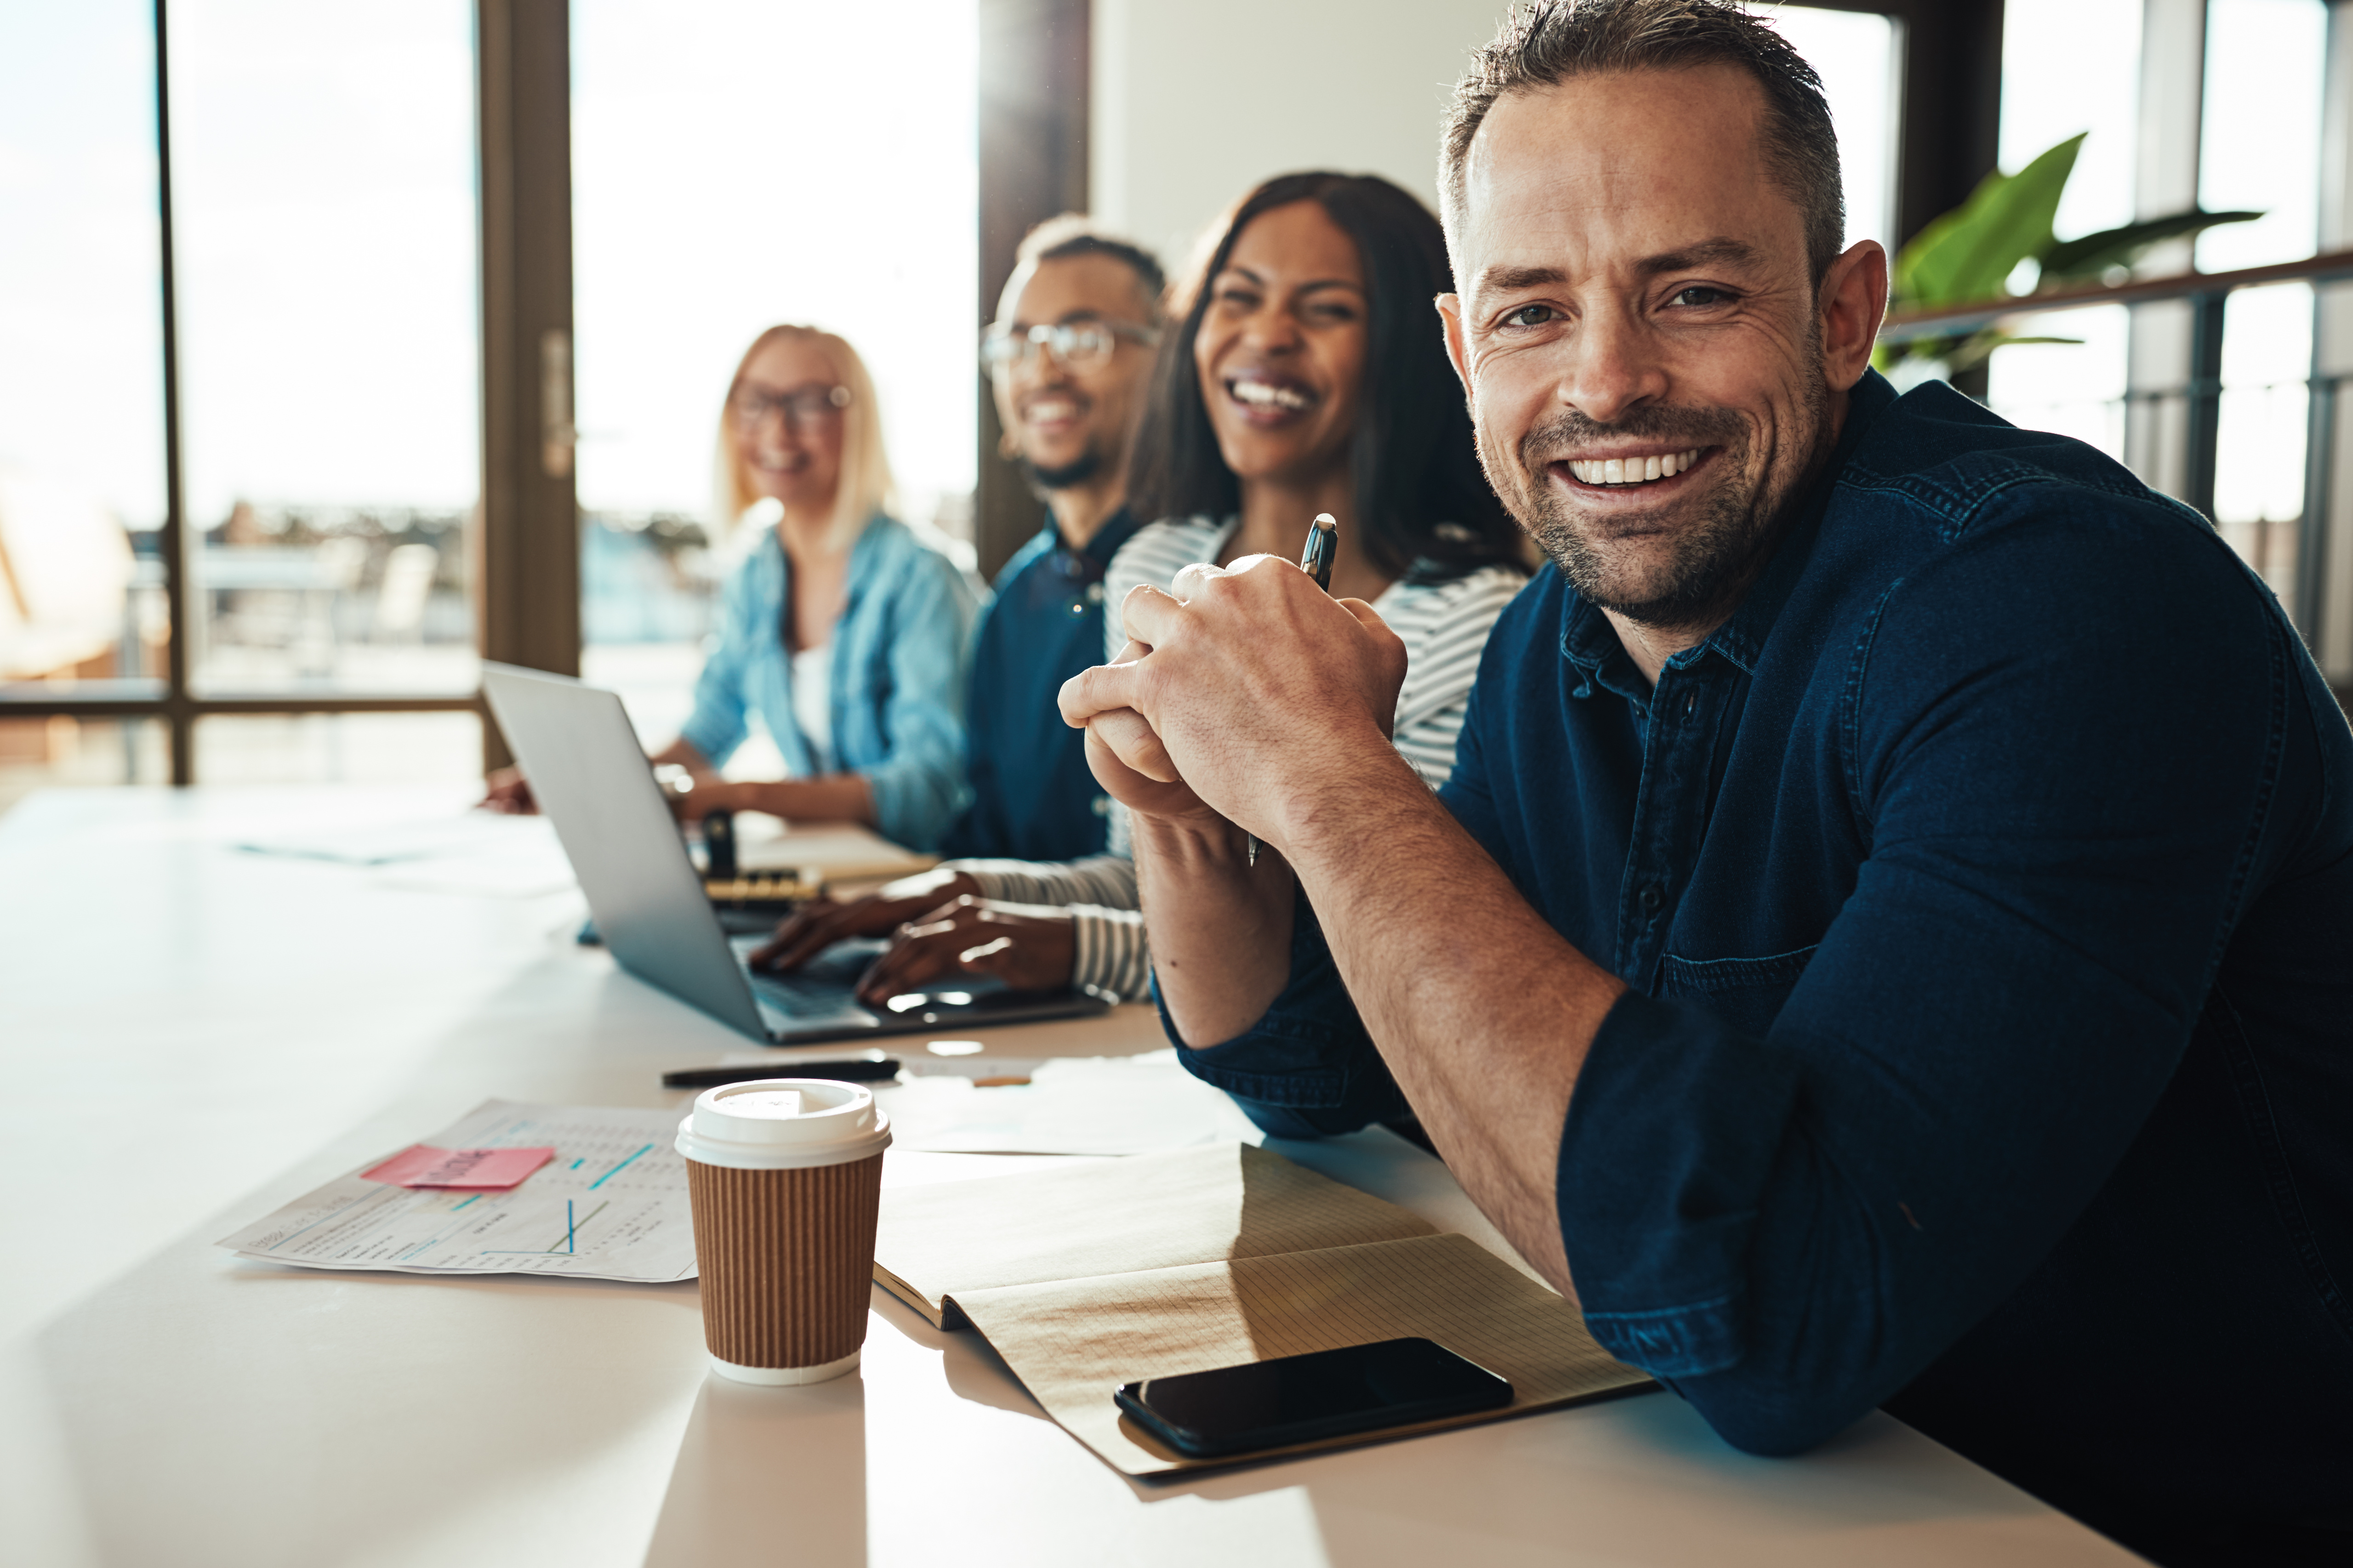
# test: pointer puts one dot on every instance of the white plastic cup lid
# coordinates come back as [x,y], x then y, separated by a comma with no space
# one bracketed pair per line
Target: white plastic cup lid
[784,1124]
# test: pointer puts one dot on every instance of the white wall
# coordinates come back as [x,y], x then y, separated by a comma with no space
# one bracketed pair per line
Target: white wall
[1197,100]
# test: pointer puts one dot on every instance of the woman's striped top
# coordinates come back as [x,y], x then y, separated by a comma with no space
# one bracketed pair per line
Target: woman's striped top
[1443,623]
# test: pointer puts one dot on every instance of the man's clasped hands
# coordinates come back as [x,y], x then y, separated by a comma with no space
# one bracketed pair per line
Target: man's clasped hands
[1245,701]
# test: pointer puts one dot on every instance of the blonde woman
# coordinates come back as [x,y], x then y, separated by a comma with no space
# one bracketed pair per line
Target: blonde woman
[846,633]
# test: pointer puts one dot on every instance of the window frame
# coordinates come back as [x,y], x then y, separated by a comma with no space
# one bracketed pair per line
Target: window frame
[528,512]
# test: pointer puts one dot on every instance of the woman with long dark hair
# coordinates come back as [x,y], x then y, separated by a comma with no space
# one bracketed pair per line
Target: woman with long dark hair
[1308,375]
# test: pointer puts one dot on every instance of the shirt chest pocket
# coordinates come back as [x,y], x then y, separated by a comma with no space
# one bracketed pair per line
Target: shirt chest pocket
[1746,992]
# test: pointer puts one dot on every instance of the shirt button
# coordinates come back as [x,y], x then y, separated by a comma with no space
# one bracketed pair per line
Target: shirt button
[1094,593]
[1650,898]
[1101,805]
[1078,609]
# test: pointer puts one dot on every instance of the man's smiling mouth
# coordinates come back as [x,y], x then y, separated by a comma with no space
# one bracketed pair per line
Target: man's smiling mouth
[1632,471]
[1051,408]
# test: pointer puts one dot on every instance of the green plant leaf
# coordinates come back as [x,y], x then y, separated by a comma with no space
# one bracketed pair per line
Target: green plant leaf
[1967,253]
[2081,261]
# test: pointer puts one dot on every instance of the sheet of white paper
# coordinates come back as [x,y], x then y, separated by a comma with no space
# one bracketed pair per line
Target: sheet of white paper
[521,866]
[379,843]
[611,1205]
[1071,1105]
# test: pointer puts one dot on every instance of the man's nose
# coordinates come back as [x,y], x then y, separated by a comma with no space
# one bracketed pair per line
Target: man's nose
[1614,367]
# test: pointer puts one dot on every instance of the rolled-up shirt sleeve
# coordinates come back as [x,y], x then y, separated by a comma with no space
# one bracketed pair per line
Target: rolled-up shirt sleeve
[1307,1068]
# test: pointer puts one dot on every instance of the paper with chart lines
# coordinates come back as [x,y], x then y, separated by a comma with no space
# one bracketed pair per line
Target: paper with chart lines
[611,1205]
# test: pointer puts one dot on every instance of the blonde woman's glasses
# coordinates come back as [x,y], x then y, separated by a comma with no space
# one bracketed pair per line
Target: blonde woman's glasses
[803,408]
[1082,346]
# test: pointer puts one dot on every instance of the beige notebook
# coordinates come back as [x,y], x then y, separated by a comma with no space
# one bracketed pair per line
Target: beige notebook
[1088,1278]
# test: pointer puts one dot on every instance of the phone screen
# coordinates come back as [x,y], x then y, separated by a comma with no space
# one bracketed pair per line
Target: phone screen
[1303,1398]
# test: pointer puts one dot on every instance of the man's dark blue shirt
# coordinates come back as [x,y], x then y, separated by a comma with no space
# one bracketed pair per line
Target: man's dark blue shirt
[1033,797]
[1984,890]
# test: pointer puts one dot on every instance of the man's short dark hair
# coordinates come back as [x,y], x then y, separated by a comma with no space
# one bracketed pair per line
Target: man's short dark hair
[1547,42]
[1075,234]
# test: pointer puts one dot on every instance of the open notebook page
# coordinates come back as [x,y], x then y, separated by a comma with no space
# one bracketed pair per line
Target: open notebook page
[1071,1343]
[1151,1211]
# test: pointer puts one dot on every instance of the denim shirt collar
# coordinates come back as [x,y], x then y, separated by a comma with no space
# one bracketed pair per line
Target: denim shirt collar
[1589,642]
[1090,564]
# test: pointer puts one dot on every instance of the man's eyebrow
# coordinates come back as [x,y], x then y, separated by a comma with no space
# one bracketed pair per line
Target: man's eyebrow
[1510,279]
[1718,252]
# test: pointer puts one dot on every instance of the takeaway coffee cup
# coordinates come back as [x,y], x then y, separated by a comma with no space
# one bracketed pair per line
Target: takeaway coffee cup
[785,1175]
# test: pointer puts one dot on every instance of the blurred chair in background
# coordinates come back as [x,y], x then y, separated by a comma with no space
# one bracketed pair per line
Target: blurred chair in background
[66,569]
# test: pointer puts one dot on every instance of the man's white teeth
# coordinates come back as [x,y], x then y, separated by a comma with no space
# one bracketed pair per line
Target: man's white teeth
[1265,394]
[1053,408]
[1633,470]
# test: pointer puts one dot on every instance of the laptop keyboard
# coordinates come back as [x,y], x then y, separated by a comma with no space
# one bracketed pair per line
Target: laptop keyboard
[825,986]
[803,998]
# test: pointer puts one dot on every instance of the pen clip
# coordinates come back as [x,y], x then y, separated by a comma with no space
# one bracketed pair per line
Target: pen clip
[1322,546]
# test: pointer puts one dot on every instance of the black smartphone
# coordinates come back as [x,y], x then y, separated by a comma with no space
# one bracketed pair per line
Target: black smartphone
[1303,1398]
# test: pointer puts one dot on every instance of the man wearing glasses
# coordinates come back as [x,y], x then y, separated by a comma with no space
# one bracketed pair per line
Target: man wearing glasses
[1069,358]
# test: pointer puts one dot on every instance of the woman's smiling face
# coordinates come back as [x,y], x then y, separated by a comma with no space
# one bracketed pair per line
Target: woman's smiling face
[797,461]
[1281,351]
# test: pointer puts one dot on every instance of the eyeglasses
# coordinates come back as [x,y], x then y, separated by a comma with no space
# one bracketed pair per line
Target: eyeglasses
[1082,346]
[802,408]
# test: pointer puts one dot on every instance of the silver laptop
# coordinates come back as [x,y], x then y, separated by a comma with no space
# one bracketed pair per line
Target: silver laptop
[589,776]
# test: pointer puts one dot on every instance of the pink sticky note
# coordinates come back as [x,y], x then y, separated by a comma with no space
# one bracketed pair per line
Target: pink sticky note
[422,1165]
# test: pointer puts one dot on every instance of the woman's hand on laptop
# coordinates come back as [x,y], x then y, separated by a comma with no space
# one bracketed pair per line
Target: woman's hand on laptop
[1029,947]
[817,925]
[508,793]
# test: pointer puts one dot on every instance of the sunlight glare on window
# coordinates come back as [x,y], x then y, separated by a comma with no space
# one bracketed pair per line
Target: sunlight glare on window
[1855,54]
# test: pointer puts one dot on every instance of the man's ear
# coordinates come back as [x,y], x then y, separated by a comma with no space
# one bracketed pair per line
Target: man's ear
[1450,312]
[1853,300]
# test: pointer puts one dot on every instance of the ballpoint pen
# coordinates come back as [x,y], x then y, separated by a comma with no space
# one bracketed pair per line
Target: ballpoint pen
[1322,546]
[859,1071]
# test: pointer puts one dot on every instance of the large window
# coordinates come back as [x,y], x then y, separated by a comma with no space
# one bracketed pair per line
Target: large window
[738,164]
[2268,52]
[324,203]
[81,399]
[319,210]
[2071,66]
[1859,55]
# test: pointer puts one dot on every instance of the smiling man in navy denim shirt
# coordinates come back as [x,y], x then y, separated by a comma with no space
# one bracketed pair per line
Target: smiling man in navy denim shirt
[1888,939]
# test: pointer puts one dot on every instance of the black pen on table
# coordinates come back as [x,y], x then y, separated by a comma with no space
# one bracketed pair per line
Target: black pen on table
[859,1071]
[1322,546]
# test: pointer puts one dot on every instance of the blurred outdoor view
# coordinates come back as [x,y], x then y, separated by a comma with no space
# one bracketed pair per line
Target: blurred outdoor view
[327,289]
[2075,67]
[712,199]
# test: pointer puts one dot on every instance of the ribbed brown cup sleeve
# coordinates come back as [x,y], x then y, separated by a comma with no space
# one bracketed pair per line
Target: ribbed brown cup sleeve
[785,1257]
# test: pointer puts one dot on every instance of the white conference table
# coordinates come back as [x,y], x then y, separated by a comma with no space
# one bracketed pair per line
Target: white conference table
[191,1035]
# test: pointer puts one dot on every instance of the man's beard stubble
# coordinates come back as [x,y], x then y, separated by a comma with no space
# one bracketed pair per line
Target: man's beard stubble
[1719,540]
[1075,472]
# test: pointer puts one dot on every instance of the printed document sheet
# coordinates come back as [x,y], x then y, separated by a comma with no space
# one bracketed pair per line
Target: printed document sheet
[611,1205]
[1069,1105]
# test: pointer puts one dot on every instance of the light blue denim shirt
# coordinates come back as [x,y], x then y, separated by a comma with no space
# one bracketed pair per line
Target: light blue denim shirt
[901,653]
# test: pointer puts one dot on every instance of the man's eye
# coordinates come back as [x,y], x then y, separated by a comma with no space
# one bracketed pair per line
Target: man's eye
[1531,316]
[1699,296]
